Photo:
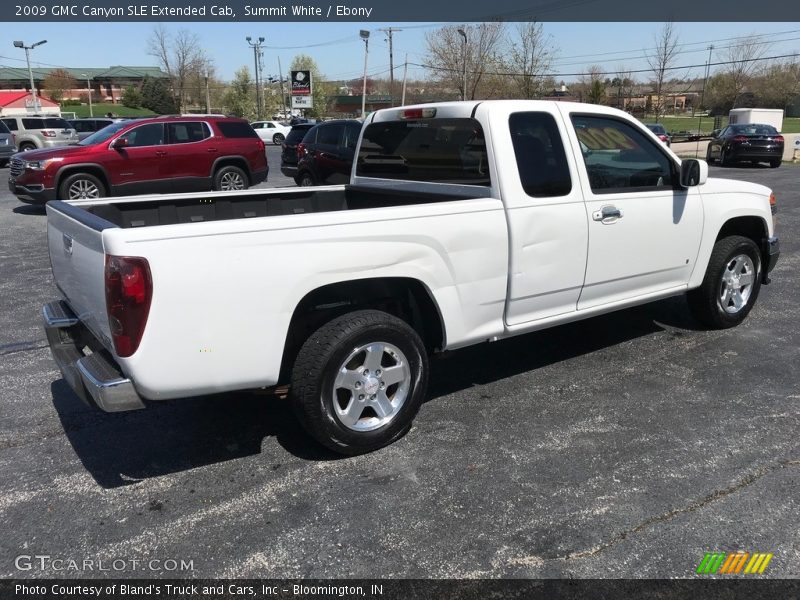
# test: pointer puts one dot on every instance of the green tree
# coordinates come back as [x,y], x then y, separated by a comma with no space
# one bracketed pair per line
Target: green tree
[157,97]
[131,97]
[239,100]
[57,83]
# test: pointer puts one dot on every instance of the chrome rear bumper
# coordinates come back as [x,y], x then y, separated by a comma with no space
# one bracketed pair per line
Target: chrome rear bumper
[94,376]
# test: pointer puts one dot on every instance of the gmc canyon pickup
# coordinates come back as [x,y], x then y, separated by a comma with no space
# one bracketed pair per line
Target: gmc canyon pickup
[463,222]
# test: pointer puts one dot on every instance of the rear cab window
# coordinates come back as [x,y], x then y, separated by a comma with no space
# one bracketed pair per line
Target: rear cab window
[539,151]
[444,150]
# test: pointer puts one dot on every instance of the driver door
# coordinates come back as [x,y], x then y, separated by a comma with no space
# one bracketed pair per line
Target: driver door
[644,229]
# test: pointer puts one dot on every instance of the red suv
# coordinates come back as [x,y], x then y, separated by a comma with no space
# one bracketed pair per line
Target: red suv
[160,155]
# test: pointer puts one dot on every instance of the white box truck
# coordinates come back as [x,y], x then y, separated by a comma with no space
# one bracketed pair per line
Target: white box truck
[764,116]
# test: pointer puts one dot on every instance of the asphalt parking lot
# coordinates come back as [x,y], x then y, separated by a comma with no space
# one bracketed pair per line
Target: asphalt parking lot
[623,446]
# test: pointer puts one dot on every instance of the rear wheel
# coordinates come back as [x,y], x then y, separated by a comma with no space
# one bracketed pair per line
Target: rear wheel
[81,186]
[230,178]
[724,158]
[26,146]
[709,158]
[731,284]
[359,380]
[278,138]
[306,179]
[775,163]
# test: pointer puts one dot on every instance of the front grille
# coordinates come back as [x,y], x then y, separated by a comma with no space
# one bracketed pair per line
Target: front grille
[17,167]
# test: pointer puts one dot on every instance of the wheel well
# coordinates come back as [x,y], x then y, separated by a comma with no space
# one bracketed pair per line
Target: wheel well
[749,227]
[90,169]
[407,299]
[233,162]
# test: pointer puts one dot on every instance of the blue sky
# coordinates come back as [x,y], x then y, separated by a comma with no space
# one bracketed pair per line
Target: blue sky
[579,44]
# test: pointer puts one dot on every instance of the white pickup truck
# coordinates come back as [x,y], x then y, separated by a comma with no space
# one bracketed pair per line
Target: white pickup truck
[463,222]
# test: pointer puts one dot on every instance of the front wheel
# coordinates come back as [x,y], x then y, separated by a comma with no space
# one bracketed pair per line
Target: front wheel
[230,178]
[81,186]
[775,163]
[359,380]
[306,180]
[278,138]
[731,284]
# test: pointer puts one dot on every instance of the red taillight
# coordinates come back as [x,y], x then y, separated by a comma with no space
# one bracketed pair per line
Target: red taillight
[739,138]
[129,289]
[48,133]
[261,145]
[778,138]
[662,137]
[301,150]
[417,113]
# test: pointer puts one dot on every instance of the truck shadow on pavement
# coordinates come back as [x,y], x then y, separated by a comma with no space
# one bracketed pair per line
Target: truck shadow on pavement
[174,436]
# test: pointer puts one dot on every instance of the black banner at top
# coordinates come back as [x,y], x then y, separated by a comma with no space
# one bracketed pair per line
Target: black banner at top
[158,11]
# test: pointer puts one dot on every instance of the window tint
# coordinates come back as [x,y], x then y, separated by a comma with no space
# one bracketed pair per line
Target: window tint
[236,129]
[330,135]
[352,131]
[83,126]
[145,135]
[541,160]
[50,123]
[4,128]
[296,134]
[11,124]
[432,150]
[182,133]
[619,158]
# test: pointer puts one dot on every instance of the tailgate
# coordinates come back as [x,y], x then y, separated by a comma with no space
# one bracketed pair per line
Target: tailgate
[75,242]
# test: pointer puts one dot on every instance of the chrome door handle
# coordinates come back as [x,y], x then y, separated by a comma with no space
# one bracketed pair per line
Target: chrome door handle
[607,214]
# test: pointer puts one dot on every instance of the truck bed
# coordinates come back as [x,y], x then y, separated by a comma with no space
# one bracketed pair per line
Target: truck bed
[196,208]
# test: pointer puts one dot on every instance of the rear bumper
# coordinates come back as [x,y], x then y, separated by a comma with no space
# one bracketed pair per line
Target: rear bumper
[259,176]
[771,249]
[95,378]
[743,152]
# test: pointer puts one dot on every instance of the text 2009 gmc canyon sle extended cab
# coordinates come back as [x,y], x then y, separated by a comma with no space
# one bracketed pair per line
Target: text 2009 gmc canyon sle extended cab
[464,222]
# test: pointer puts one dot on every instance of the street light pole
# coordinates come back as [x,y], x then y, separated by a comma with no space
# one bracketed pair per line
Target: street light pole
[283,95]
[36,105]
[708,68]
[364,33]
[464,35]
[256,46]
[89,89]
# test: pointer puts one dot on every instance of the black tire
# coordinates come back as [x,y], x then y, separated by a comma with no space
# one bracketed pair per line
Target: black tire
[278,138]
[230,178]
[724,158]
[306,179]
[775,163]
[709,158]
[79,186]
[705,302]
[325,354]
[26,146]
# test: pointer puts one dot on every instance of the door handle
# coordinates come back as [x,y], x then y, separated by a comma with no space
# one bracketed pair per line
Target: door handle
[607,214]
[160,153]
[212,150]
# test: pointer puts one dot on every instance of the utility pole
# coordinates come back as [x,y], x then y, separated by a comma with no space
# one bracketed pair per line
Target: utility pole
[208,96]
[364,33]
[256,46]
[89,91]
[283,96]
[463,33]
[405,75]
[389,31]
[708,68]
[37,107]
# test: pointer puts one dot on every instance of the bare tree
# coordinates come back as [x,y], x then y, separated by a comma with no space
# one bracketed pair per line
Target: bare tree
[744,62]
[445,55]
[779,84]
[661,62]
[592,87]
[623,84]
[181,57]
[530,58]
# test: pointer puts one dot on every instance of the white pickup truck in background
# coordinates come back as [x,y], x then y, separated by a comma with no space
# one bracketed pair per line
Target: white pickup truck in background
[463,222]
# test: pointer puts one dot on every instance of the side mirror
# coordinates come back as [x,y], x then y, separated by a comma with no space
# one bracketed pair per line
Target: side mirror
[715,133]
[693,172]
[119,143]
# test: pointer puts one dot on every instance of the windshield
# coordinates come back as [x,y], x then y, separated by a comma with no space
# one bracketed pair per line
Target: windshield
[656,129]
[103,135]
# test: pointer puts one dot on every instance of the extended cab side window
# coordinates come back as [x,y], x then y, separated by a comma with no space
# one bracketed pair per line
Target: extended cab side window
[541,160]
[145,135]
[620,158]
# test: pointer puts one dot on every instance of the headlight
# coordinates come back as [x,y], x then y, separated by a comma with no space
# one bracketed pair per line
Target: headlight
[41,165]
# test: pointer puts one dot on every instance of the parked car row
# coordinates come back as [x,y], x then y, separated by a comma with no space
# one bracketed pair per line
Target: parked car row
[156,155]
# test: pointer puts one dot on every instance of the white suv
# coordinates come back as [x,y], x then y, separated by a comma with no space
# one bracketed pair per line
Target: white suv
[32,133]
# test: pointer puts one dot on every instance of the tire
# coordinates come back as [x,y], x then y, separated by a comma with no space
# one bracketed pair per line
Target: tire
[709,159]
[306,179]
[331,409]
[26,147]
[3,163]
[712,303]
[775,163]
[278,138]
[81,186]
[230,178]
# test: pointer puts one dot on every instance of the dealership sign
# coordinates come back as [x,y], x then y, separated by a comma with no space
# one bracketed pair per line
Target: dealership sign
[302,87]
